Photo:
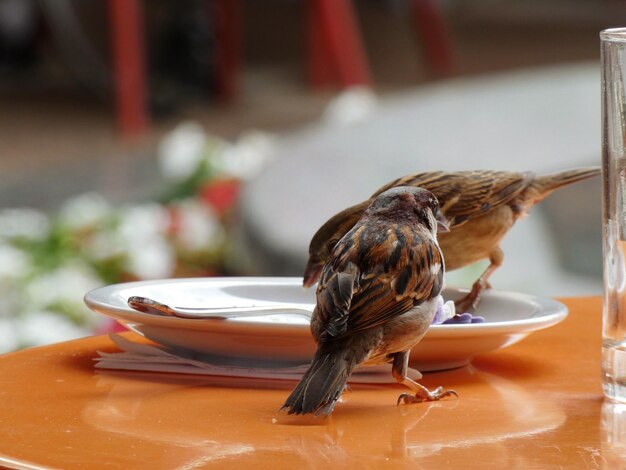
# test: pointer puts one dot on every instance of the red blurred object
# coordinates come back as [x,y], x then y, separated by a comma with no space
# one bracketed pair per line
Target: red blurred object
[221,194]
[434,37]
[336,52]
[110,326]
[129,66]
[227,23]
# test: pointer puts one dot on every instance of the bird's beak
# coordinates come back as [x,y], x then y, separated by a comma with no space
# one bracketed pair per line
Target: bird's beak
[443,225]
[311,272]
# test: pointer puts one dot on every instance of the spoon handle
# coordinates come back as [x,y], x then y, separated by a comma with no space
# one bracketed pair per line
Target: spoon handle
[147,305]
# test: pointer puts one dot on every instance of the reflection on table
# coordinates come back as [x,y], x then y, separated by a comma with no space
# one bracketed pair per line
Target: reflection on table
[535,404]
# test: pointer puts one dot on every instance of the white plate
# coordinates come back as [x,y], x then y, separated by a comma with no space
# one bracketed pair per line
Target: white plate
[285,338]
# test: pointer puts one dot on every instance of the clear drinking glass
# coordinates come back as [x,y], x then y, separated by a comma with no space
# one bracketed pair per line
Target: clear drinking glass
[613,429]
[613,53]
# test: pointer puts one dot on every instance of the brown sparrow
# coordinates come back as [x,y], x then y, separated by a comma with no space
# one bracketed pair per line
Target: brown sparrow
[376,298]
[481,206]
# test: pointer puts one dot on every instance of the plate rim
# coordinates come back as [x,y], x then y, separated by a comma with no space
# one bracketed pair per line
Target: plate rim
[555,311]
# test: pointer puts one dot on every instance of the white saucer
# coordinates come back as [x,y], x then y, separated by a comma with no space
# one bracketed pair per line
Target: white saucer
[285,338]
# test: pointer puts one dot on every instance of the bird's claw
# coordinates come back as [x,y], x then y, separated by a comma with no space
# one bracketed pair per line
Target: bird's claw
[470,301]
[467,303]
[427,395]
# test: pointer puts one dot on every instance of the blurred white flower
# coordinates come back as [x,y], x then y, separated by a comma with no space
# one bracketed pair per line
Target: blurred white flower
[84,211]
[44,327]
[247,157]
[25,223]
[182,150]
[11,298]
[142,234]
[14,263]
[103,245]
[66,285]
[351,106]
[198,228]
[154,259]
[8,335]
[141,223]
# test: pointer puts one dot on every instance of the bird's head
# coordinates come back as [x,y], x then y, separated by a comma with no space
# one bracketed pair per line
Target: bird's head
[410,201]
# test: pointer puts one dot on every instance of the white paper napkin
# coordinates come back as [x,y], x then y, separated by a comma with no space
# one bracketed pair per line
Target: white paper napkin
[152,358]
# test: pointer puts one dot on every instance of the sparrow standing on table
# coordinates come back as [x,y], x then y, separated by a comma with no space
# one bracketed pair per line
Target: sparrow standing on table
[481,207]
[376,298]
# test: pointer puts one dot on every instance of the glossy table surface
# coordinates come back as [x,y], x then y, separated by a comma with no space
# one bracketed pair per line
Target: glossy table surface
[537,404]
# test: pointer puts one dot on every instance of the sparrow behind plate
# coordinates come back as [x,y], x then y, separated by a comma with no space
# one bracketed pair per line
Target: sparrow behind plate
[481,207]
[376,298]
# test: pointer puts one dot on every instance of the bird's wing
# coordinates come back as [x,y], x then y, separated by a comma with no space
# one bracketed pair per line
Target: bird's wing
[466,194]
[370,283]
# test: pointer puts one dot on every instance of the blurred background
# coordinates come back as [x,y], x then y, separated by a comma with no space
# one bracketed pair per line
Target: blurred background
[145,140]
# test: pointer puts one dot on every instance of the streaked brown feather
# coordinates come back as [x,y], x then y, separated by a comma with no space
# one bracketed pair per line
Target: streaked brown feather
[392,271]
[465,194]
[481,206]
[384,267]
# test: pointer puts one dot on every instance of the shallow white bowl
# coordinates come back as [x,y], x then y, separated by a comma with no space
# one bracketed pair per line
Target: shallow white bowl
[284,338]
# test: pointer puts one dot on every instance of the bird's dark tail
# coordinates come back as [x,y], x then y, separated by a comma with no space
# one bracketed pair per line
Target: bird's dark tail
[552,181]
[324,381]
[543,185]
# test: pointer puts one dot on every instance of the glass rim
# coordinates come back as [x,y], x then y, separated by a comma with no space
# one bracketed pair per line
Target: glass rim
[613,34]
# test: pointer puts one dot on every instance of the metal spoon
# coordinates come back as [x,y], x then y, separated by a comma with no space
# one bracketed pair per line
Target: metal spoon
[147,305]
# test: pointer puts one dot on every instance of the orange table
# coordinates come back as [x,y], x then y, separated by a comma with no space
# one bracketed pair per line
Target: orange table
[534,405]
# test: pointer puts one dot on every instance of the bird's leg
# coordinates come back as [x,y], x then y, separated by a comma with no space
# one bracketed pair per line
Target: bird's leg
[471,300]
[400,369]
